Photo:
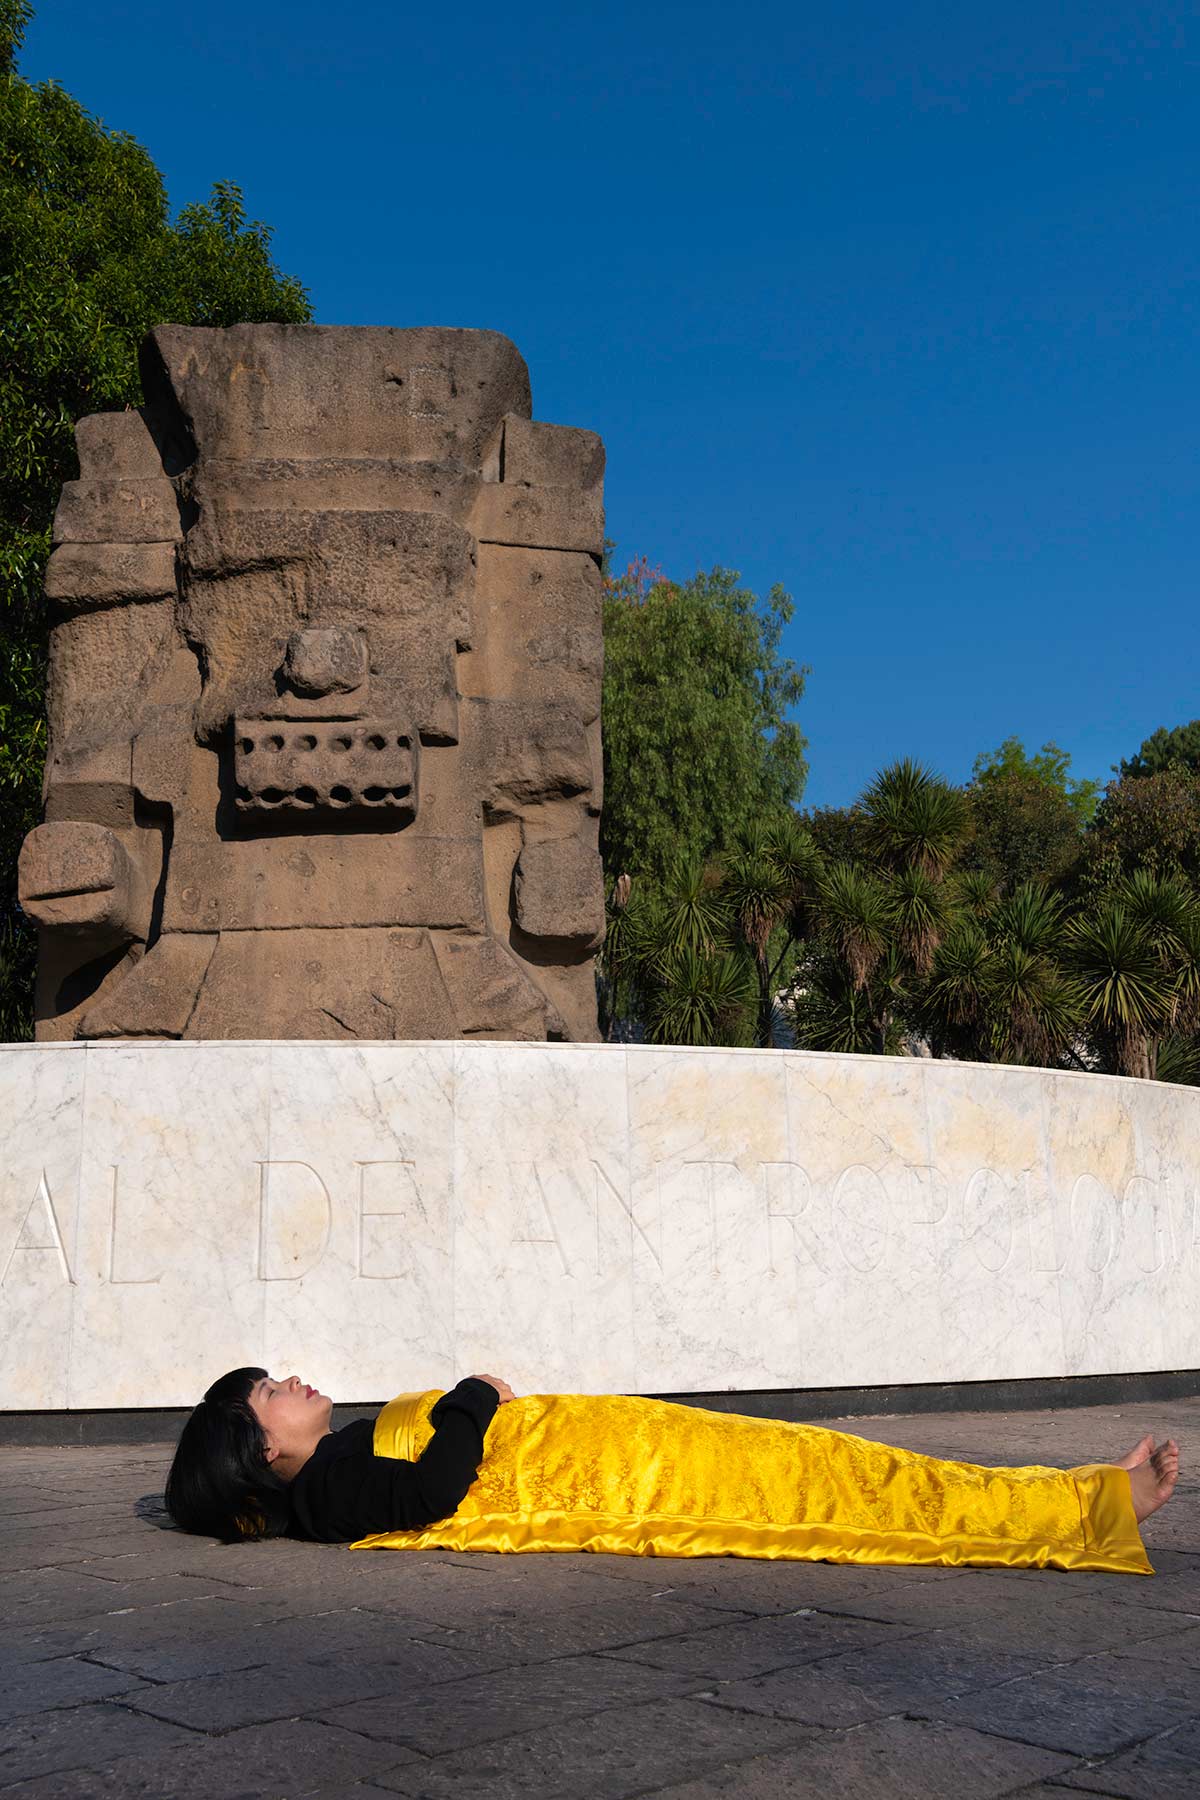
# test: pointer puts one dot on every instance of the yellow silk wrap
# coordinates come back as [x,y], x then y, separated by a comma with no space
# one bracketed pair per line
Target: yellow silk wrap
[649,1478]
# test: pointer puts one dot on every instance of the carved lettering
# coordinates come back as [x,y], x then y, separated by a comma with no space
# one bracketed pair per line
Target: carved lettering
[1146,1224]
[535,1224]
[788,1202]
[988,1220]
[112,1277]
[860,1217]
[370,1244]
[1095,1226]
[27,1245]
[295,1217]
[629,1218]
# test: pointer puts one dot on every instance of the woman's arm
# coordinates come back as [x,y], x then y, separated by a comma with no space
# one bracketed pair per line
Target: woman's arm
[364,1493]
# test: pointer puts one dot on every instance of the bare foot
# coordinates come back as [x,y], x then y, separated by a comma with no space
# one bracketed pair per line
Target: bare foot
[1139,1454]
[1152,1482]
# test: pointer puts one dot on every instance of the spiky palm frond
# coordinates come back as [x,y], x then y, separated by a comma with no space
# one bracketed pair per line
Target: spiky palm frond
[976,891]
[756,893]
[1127,994]
[1161,904]
[691,912]
[957,994]
[919,911]
[830,1013]
[914,818]
[1178,1060]
[1037,1010]
[1031,917]
[702,999]
[853,909]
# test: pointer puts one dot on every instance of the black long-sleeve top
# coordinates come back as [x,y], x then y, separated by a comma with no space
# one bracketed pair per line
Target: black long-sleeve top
[344,1491]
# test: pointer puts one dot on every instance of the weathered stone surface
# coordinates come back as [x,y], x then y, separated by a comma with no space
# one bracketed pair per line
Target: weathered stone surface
[131,510]
[81,575]
[273,670]
[261,884]
[425,395]
[158,996]
[77,877]
[533,454]
[533,515]
[559,891]
[114,446]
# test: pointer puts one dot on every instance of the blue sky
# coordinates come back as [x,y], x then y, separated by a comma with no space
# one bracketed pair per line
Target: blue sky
[894,305]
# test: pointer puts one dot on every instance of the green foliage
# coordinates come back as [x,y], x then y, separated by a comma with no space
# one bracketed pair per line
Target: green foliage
[1049,769]
[89,260]
[1149,822]
[697,739]
[1165,749]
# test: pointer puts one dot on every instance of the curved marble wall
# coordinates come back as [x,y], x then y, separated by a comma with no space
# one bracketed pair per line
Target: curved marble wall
[388,1216]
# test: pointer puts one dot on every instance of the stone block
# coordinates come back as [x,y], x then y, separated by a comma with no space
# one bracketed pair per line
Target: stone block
[738,1651]
[254,391]
[343,771]
[324,880]
[126,511]
[116,446]
[558,518]
[80,878]
[533,454]
[538,634]
[490,993]
[323,984]
[534,754]
[37,1749]
[83,575]
[157,997]
[559,891]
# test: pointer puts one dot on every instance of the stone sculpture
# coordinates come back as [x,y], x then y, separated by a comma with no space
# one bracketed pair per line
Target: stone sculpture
[324,741]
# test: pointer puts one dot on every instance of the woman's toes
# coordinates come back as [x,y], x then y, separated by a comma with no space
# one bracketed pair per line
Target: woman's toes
[1140,1453]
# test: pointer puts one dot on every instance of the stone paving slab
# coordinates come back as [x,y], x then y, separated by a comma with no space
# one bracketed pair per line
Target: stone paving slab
[135,1661]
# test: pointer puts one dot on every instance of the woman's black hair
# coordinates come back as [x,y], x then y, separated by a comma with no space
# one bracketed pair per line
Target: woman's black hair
[221,1484]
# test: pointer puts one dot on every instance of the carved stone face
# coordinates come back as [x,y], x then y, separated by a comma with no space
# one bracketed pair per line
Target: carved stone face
[331,752]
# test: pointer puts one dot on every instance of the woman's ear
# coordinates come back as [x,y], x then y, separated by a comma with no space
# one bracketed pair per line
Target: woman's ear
[272,1449]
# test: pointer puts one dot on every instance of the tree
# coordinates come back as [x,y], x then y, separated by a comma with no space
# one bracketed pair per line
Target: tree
[1163,748]
[697,739]
[89,261]
[1050,768]
[1147,822]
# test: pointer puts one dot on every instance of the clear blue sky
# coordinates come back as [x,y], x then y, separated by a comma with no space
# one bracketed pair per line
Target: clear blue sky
[894,305]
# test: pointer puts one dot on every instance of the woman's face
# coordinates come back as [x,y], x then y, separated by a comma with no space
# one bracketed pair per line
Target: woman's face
[290,1412]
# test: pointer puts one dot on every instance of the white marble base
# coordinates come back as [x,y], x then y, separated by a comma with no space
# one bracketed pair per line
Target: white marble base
[377,1217]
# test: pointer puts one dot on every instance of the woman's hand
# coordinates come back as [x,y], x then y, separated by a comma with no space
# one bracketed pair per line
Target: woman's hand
[501,1386]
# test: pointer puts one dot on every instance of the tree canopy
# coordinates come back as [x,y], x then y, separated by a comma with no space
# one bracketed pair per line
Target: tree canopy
[698,742]
[1164,748]
[90,259]
[1050,768]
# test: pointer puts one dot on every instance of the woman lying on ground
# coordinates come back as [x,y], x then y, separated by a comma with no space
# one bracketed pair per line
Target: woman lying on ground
[259,1458]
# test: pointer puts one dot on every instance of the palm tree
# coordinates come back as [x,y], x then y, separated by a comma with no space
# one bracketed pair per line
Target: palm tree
[767,886]
[955,1006]
[1127,994]
[915,820]
[701,998]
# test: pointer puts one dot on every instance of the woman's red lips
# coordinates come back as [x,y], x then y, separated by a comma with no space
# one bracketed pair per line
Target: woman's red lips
[310,1391]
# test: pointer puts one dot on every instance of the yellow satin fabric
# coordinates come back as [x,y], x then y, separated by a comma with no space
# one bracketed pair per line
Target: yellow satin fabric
[648,1478]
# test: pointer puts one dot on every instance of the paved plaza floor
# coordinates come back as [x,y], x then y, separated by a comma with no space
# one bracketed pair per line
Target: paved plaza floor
[137,1661]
